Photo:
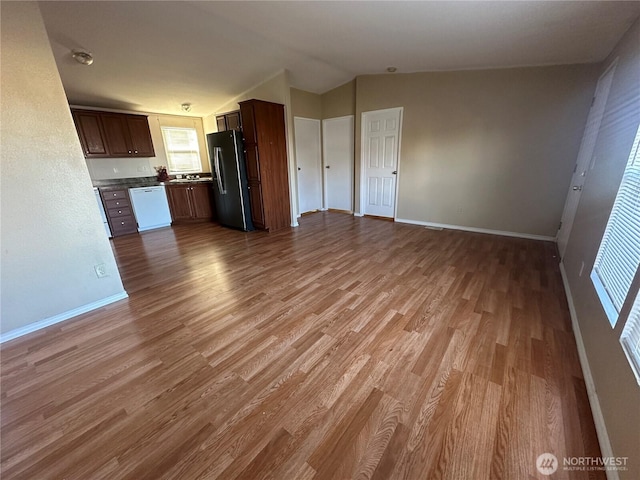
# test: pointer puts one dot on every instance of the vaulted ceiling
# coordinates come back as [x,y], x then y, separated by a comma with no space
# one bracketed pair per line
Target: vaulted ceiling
[154,55]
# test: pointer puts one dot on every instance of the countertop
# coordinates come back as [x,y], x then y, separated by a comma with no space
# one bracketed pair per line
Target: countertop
[142,182]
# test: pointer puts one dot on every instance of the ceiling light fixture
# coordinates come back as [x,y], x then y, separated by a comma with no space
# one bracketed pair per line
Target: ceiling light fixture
[186,107]
[82,57]
[392,69]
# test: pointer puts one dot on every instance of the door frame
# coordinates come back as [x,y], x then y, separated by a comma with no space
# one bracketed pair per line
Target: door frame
[320,163]
[588,165]
[363,123]
[325,183]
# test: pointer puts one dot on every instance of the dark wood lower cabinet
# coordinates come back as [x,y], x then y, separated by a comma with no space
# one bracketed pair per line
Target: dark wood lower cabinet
[190,202]
[118,209]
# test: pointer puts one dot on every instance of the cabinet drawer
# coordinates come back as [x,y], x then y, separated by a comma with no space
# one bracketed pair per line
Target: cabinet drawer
[116,204]
[111,194]
[119,212]
[123,225]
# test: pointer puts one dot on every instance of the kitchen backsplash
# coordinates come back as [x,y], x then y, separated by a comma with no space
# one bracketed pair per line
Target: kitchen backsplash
[109,168]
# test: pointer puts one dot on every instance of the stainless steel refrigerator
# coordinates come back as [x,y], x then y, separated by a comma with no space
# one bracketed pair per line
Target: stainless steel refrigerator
[230,186]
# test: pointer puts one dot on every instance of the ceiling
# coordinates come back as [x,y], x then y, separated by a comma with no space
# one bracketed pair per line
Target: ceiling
[153,56]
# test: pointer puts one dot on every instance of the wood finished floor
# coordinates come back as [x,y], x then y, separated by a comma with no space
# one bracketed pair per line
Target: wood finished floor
[345,348]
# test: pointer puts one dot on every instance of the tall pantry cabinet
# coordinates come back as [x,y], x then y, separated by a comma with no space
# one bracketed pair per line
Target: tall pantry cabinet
[265,146]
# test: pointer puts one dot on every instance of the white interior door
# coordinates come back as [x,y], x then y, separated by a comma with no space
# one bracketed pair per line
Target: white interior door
[380,151]
[337,140]
[585,155]
[308,157]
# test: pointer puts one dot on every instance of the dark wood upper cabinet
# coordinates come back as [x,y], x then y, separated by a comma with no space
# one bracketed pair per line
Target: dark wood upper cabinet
[229,121]
[140,136]
[106,134]
[265,143]
[91,133]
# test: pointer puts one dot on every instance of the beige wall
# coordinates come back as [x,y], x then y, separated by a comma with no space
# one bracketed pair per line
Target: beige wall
[52,234]
[340,101]
[108,168]
[306,104]
[617,390]
[490,149]
[275,89]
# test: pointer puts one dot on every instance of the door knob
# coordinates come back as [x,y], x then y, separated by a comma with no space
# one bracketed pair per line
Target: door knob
[395,172]
[328,166]
[577,188]
[299,169]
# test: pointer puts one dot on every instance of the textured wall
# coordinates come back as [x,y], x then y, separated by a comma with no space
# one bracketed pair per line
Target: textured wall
[52,234]
[617,389]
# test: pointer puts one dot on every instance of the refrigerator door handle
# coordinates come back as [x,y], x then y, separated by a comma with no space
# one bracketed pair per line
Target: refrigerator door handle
[216,156]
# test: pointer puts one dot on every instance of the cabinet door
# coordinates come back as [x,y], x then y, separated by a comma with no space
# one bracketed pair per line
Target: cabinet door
[257,210]
[140,136]
[248,123]
[233,121]
[253,163]
[90,133]
[117,135]
[221,122]
[179,202]
[201,201]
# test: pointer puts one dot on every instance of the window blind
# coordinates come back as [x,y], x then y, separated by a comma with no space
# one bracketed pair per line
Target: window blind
[183,152]
[630,338]
[619,254]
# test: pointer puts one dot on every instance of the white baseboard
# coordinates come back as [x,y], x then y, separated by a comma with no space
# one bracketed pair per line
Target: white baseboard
[598,418]
[61,317]
[477,230]
[358,214]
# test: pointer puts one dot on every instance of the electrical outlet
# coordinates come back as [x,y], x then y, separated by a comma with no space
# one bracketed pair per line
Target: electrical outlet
[101,270]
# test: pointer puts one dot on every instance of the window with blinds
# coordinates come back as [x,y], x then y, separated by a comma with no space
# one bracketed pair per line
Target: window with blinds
[619,254]
[630,338]
[183,152]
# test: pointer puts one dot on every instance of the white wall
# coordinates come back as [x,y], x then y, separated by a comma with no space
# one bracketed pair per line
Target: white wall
[51,232]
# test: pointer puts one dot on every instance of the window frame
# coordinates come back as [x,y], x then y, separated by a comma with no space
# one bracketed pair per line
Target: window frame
[196,165]
[619,251]
[630,338]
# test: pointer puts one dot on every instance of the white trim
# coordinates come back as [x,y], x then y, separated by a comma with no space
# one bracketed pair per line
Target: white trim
[477,230]
[594,402]
[61,317]
[363,126]
[358,214]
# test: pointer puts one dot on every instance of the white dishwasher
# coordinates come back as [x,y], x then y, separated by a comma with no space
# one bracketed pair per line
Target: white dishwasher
[150,207]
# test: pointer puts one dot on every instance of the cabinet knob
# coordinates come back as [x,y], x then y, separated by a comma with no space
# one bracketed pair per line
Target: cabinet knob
[129,151]
[135,151]
[115,194]
[119,211]
[122,223]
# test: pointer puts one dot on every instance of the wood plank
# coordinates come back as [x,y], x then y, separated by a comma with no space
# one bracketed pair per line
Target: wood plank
[344,348]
